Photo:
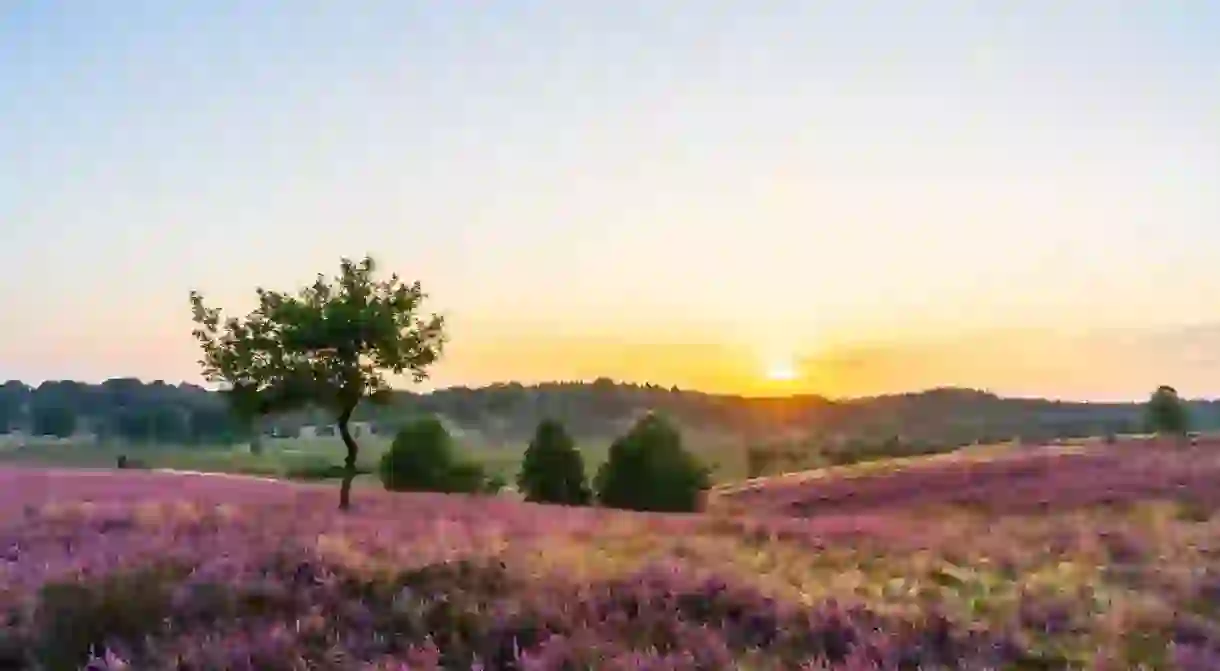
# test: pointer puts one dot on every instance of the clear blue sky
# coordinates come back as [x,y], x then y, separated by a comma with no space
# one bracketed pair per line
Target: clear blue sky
[685,192]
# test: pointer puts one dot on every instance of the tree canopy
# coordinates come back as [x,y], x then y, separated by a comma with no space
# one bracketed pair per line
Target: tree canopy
[329,345]
[1167,412]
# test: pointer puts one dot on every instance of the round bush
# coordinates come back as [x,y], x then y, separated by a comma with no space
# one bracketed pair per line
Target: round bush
[552,470]
[420,459]
[648,469]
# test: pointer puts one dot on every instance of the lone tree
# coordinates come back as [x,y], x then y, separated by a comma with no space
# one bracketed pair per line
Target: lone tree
[329,345]
[1166,412]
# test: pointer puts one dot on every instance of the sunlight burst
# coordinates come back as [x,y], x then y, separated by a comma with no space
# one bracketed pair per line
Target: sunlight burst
[781,371]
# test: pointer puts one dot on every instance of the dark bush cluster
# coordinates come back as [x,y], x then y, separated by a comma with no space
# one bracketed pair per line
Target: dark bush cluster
[647,469]
[422,459]
[124,461]
[553,470]
[1167,412]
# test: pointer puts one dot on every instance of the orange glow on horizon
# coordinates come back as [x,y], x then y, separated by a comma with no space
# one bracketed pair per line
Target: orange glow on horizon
[1018,362]
[782,370]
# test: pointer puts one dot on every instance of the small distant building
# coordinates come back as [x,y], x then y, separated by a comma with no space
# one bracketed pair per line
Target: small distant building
[357,430]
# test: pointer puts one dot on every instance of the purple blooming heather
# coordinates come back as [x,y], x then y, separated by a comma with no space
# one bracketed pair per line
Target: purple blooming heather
[1039,560]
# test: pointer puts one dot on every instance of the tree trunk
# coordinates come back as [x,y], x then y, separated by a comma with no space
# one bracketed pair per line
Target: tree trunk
[256,437]
[349,463]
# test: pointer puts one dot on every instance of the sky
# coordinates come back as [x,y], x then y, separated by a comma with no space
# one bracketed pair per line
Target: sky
[861,196]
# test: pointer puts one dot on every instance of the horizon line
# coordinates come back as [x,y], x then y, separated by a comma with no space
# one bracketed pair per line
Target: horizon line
[689,390]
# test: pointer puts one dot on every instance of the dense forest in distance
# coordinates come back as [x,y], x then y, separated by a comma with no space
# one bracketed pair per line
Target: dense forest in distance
[131,410]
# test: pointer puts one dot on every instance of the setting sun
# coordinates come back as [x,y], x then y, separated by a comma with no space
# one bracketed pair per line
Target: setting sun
[781,371]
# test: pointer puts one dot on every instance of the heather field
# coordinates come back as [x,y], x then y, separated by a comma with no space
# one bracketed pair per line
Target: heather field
[1106,557]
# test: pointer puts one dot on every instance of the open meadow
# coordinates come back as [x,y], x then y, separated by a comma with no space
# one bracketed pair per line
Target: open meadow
[282,457]
[1103,557]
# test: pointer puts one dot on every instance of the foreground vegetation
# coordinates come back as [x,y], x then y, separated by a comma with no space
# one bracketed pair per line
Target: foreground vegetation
[1102,557]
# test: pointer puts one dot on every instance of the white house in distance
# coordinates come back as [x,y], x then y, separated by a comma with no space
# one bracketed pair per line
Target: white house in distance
[357,430]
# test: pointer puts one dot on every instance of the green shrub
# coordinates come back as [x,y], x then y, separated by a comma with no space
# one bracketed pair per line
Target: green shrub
[422,459]
[317,468]
[125,462]
[320,472]
[758,461]
[1167,412]
[648,469]
[466,478]
[496,484]
[860,450]
[552,470]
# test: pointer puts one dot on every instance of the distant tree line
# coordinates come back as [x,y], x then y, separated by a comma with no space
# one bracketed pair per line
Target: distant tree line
[121,409]
[131,410]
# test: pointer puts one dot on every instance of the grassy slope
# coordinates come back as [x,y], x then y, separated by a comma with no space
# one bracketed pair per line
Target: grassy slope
[280,455]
